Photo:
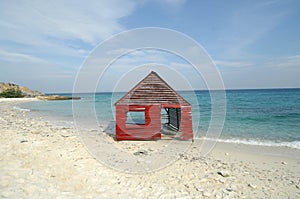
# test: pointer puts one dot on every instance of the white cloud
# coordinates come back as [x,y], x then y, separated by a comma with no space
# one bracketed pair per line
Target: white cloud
[18,57]
[26,21]
[289,63]
[65,28]
[294,57]
[232,63]
[43,42]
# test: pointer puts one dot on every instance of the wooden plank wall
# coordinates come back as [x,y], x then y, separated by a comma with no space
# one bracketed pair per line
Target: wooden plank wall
[150,131]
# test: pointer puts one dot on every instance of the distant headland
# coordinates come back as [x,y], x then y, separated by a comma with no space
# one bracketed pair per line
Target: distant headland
[11,90]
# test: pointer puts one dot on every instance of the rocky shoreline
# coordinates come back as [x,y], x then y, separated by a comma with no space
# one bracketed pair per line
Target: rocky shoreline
[57,97]
[23,91]
[10,90]
[40,160]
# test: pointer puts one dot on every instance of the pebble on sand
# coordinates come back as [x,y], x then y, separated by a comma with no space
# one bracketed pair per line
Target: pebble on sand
[223,173]
[252,185]
[229,189]
[284,163]
[141,152]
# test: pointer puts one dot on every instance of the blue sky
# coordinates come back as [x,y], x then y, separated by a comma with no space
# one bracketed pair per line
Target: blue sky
[254,44]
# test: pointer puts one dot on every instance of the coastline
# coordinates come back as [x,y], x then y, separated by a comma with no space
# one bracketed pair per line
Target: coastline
[42,160]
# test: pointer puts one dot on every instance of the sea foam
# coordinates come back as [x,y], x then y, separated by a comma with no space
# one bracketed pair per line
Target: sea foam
[21,109]
[293,144]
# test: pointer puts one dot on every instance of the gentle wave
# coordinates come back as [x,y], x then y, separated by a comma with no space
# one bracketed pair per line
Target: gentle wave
[293,144]
[21,109]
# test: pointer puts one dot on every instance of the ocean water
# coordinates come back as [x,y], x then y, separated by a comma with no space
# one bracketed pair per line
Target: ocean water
[268,117]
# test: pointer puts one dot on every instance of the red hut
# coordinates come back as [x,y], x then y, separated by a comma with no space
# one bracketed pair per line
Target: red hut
[147,99]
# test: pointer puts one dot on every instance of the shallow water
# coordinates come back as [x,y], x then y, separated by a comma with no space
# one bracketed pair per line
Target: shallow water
[269,117]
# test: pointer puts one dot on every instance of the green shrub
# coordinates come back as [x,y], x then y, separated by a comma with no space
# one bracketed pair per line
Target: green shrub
[11,93]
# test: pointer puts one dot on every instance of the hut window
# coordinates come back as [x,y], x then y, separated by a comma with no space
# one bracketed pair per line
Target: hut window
[135,118]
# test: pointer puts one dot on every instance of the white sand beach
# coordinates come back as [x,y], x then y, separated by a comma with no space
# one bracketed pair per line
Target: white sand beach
[40,160]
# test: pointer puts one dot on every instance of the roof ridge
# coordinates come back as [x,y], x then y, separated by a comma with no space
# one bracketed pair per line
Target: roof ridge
[134,87]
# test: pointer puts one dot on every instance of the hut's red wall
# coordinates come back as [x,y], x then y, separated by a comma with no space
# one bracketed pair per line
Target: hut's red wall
[152,128]
[186,123]
[149,131]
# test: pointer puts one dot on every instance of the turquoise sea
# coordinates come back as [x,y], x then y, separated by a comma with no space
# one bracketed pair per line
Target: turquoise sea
[269,117]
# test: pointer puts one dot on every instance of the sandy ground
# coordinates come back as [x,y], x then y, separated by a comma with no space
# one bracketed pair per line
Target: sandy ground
[39,160]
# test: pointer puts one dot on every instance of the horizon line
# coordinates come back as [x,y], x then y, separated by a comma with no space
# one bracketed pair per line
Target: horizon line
[230,89]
